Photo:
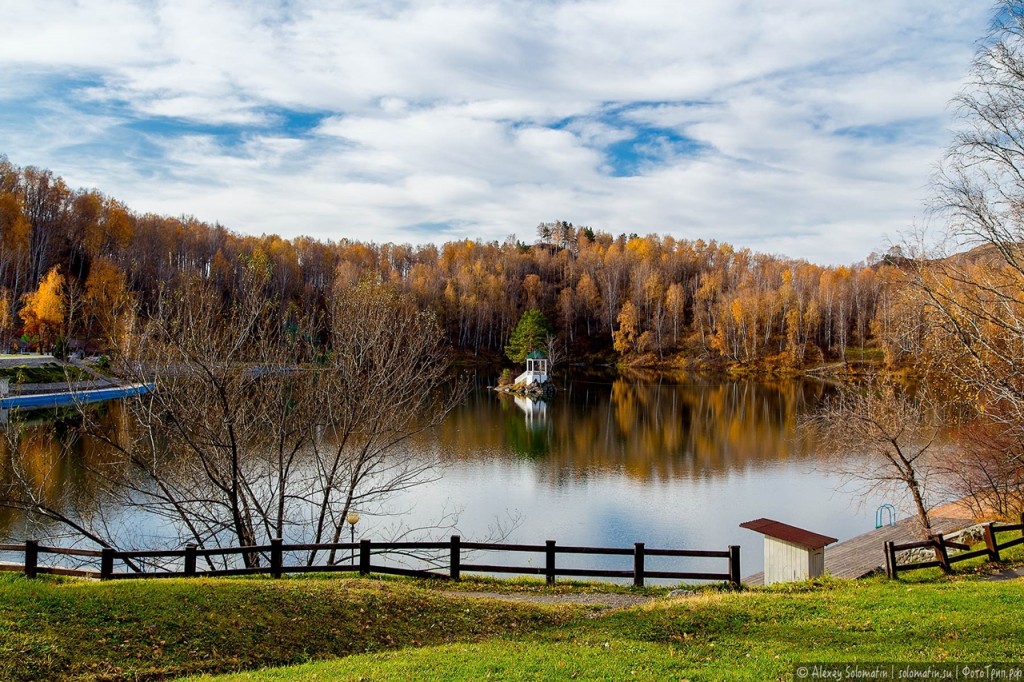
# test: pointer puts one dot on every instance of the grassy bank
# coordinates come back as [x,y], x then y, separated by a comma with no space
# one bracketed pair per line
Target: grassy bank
[747,636]
[68,629]
[51,373]
[395,630]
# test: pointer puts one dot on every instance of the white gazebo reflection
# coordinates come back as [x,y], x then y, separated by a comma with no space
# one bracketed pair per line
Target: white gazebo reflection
[536,410]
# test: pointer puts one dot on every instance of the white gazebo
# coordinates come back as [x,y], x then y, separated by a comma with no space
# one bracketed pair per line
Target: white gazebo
[536,369]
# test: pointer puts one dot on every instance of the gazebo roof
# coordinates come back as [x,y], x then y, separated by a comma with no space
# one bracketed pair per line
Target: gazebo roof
[536,355]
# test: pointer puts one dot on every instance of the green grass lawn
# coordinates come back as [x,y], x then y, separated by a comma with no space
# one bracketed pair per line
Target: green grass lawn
[71,629]
[351,629]
[51,373]
[756,635]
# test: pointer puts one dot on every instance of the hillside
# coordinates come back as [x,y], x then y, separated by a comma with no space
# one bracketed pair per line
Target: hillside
[77,267]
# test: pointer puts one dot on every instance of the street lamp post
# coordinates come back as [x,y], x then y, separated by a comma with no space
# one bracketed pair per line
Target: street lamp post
[353,519]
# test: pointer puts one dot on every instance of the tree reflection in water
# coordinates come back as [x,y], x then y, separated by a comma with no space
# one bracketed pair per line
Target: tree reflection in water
[644,431]
[657,430]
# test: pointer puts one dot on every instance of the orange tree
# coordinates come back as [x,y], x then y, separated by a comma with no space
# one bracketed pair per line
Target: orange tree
[43,310]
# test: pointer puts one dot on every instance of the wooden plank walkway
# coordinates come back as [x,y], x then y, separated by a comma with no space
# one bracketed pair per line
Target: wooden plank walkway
[66,397]
[865,554]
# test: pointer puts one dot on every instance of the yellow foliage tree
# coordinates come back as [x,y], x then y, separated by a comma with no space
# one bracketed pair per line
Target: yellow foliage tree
[675,304]
[107,300]
[6,317]
[14,232]
[625,337]
[43,310]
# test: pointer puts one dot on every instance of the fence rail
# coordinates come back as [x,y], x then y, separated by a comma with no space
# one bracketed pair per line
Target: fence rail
[941,546]
[362,554]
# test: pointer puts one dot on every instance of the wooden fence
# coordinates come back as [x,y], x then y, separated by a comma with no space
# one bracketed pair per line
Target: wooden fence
[272,560]
[941,546]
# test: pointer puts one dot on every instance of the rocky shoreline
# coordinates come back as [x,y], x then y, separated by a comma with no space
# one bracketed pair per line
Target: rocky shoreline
[535,391]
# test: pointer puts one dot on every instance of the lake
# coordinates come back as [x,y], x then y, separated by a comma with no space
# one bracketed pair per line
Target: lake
[674,462]
[671,461]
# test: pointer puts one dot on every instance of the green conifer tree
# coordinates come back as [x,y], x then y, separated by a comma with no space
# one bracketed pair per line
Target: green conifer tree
[530,334]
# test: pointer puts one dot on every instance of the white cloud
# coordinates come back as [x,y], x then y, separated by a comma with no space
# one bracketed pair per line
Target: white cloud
[75,35]
[818,122]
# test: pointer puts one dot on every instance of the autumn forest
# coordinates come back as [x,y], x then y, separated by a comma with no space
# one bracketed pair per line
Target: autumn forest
[74,263]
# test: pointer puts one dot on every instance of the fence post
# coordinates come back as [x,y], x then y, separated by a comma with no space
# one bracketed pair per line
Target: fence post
[276,558]
[891,569]
[364,557]
[106,563]
[455,559]
[940,553]
[734,565]
[549,562]
[990,542]
[190,559]
[638,564]
[31,558]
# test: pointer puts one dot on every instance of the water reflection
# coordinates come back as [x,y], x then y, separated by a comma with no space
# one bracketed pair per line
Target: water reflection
[536,411]
[671,461]
[650,431]
[531,436]
[53,467]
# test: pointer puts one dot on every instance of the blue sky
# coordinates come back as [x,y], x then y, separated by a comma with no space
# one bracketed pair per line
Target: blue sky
[802,127]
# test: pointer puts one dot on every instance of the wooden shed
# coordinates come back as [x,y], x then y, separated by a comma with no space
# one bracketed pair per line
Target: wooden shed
[790,553]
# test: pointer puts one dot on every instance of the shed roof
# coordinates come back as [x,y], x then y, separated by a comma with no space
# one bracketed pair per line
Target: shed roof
[536,355]
[788,533]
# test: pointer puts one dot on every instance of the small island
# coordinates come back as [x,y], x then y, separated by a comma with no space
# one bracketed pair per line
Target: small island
[532,332]
[534,382]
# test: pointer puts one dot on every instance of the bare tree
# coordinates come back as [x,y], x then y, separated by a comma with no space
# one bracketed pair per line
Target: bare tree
[976,297]
[985,472]
[263,426]
[882,438]
[972,284]
[387,379]
[554,351]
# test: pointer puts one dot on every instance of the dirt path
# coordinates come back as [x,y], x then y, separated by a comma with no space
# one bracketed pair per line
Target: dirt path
[13,360]
[1008,574]
[606,602]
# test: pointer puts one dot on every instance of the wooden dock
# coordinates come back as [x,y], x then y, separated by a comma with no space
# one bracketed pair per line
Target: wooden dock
[73,394]
[865,554]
